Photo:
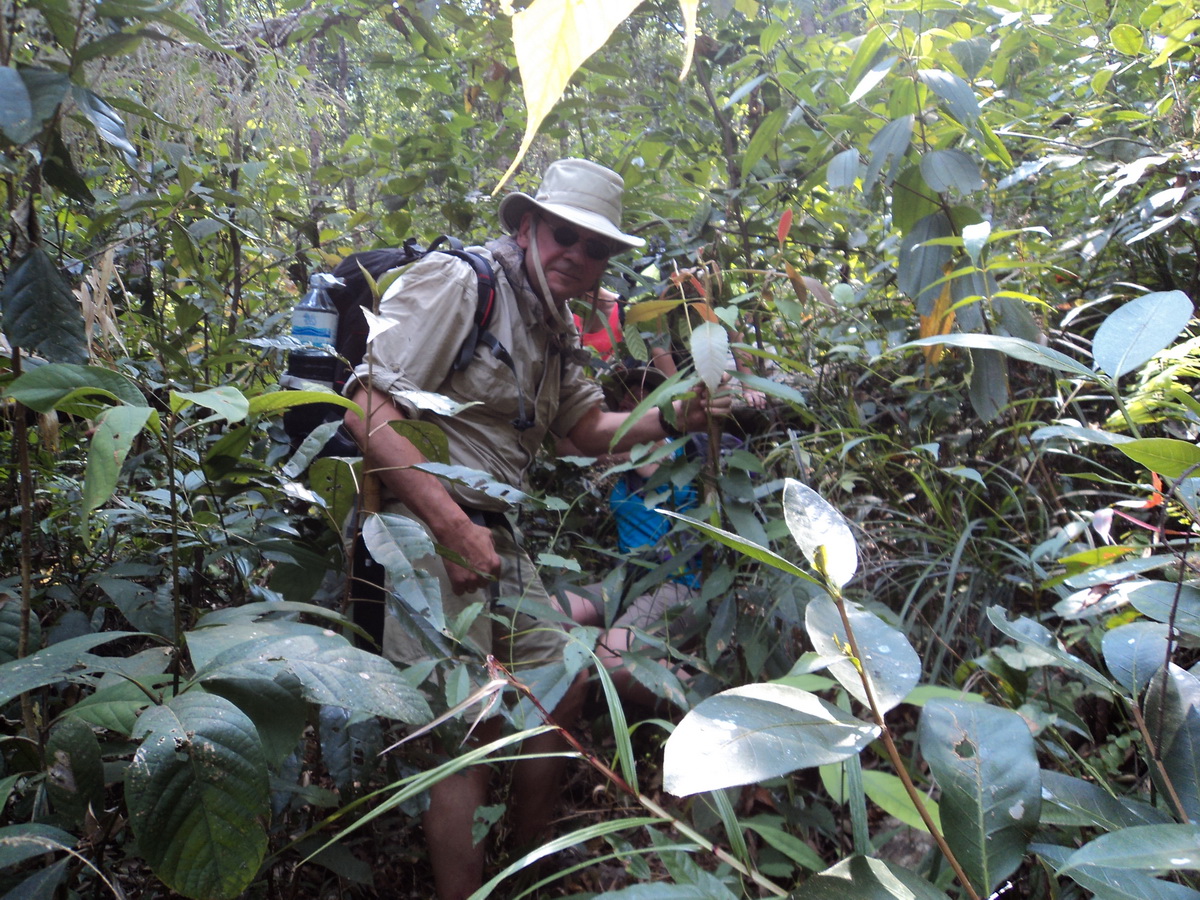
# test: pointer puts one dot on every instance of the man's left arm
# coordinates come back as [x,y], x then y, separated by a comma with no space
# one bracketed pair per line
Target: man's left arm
[593,433]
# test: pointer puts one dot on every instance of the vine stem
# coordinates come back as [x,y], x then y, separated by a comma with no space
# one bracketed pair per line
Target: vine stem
[497,671]
[894,754]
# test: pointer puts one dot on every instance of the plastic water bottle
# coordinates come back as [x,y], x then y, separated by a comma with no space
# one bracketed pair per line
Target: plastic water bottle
[315,318]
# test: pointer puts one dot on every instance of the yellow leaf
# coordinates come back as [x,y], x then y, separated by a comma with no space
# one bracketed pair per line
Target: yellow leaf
[552,39]
[689,8]
[648,310]
[705,312]
[938,322]
[798,284]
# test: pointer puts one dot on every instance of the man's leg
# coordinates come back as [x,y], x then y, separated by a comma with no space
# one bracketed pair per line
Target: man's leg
[457,862]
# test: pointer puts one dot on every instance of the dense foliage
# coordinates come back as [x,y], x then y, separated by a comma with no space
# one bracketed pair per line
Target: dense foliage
[947,630]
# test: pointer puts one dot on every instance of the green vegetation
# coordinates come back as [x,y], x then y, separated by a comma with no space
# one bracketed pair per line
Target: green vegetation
[950,599]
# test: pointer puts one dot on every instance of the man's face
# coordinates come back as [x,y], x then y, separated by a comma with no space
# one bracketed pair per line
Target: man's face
[573,258]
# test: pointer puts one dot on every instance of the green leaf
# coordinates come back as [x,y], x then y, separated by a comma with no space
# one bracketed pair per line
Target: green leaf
[1017,348]
[1033,635]
[40,313]
[74,770]
[912,199]
[1166,456]
[29,839]
[275,401]
[275,706]
[104,119]
[755,732]
[1142,847]
[1134,332]
[427,437]
[47,90]
[1166,601]
[65,661]
[16,110]
[888,660]
[1090,805]
[396,542]
[1172,711]
[820,532]
[972,54]
[10,628]
[946,169]
[117,43]
[119,426]
[887,149]
[350,746]
[1134,652]
[763,139]
[843,169]
[887,792]
[1127,39]
[60,172]
[1115,884]
[329,669]
[988,384]
[47,388]
[923,264]
[226,401]
[788,844]
[873,76]
[957,94]
[115,707]
[749,548]
[198,796]
[984,760]
[1079,433]
[861,878]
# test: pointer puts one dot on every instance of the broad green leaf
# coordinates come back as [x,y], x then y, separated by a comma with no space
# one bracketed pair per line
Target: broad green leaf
[922,265]
[40,313]
[873,76]
[887,792]
[10,628]
[47,388]
[427,437]
[29,839]
[552,39]
[65,661]
[476,480]
[763,139]
[1172,711]
[888,660]
[47,90]
[1166,601]
[972,54]
[335,481]
[104,119]
[1026,351]
[1141,847]
[115,707]
[1127,39]
[226,401]
[710,352]
[1166,456]
[912,199]
[275,401]
[887,151]
[946,169]
[1114,884]
[60,172]
[198,797]
[821,533]
[755,732]
[265,610]
[396,542]
[350,745]
[118,427]
[862,878]
[16,110]
[1079,433]
[957,94]
[984,760]
[988,384]
[843,169]
[1089,805]
[1134,652]
[329,669]
[275,707]
[74,770]
[1137,330]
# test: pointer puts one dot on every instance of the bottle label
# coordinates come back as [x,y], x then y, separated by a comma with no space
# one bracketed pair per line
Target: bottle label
[310,326]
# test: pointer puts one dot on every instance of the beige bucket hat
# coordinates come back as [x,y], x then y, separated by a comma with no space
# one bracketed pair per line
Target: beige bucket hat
[579,191]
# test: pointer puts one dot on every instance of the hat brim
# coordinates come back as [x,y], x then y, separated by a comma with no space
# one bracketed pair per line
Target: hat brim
[515,205]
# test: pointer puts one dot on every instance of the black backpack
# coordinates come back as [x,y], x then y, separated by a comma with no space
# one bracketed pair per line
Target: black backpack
[351,343]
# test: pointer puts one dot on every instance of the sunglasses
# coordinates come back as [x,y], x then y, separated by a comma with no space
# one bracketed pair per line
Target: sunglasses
[566,236]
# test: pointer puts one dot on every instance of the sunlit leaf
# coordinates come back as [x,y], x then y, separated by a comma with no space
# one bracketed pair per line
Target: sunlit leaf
[710,352]
[862,878]
[821,532]
[1166,456]
[1137,330]
[115,434]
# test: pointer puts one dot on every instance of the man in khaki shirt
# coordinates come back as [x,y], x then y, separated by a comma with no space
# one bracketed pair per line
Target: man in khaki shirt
[557,248]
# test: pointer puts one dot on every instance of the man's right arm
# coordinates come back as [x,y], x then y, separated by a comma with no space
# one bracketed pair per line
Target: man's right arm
[390,456]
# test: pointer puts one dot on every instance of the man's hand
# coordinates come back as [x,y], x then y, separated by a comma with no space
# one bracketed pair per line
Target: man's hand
[475,545]
[705,406]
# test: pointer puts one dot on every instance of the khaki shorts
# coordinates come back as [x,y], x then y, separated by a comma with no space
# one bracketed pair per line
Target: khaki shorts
[515,638]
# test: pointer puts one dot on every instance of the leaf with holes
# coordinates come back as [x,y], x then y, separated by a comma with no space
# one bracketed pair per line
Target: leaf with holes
[197,793]
[984,760]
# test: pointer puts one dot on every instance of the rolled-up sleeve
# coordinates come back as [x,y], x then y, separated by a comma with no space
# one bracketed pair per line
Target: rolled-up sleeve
[428,311]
